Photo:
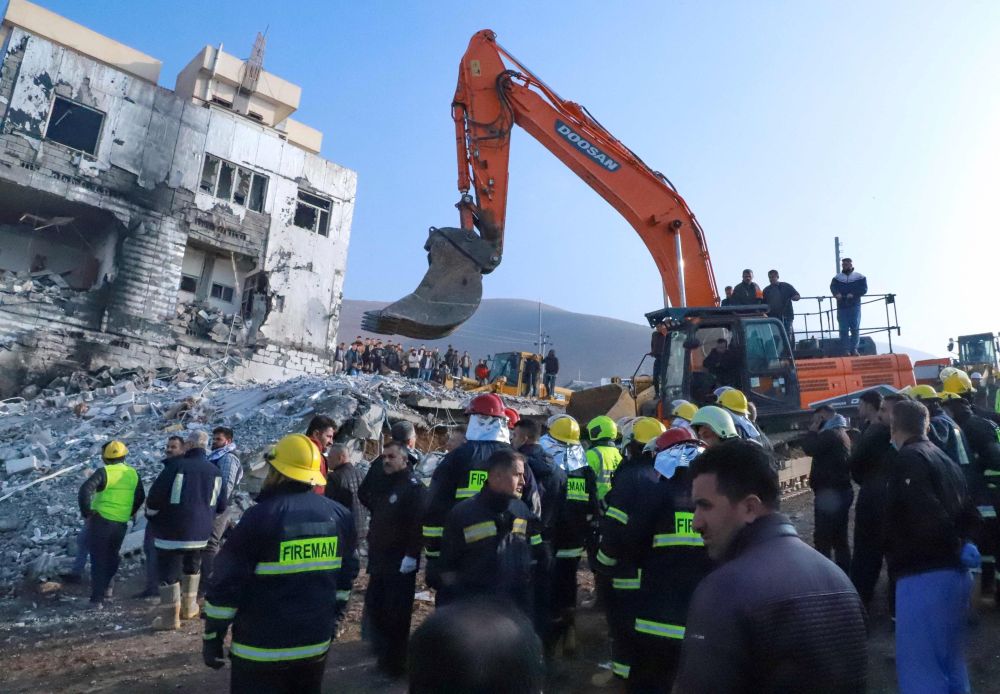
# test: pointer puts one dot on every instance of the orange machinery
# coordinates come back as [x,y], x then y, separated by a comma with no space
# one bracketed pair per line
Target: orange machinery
[490,99]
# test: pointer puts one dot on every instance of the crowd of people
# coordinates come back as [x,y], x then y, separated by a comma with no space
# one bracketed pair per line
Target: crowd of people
[705,585]
[847,288]
[372,356]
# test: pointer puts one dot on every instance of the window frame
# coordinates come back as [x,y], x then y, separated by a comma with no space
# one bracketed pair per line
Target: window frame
[100,130]
[319,211]
[194,279]
[234,180]
[223,288]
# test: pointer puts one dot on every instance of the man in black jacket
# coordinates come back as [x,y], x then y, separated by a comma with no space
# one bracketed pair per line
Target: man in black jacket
[830,479]
[489,542]
[746,293]
[394,543]
[182,506]
[658,343]
[532,367]
[551,363]
[929,520]
[869,462]
[775,616]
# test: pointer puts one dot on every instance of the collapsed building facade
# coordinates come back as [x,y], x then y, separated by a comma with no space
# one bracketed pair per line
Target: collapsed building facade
[139,225]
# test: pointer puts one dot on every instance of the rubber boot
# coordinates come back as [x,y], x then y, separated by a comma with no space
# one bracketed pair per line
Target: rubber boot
[189,596]
[169,608]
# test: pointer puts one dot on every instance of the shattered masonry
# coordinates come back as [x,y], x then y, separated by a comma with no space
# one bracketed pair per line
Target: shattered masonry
[140,225]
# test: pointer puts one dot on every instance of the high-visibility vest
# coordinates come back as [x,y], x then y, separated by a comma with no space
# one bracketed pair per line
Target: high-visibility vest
[115,502]
[604,461]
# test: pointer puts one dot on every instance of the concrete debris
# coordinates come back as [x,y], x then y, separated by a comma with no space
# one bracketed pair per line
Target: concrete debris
[202,320]
[51,444]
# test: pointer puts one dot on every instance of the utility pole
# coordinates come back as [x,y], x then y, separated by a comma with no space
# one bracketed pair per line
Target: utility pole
[836,251]
[543,338]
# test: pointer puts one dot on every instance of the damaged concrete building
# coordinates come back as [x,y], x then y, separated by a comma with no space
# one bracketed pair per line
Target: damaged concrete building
[190,228]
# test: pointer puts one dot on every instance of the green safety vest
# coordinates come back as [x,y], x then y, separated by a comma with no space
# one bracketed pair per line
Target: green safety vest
[604,461]
[115,502]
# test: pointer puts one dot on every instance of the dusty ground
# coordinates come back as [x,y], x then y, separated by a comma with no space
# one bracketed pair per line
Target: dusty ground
[52,643]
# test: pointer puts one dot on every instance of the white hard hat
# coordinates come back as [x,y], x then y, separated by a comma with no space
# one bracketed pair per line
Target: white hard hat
[976,375]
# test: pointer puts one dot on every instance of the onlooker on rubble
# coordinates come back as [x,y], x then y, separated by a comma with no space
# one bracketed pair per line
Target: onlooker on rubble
[774,616]
[426,365]
[551,363]
[352,359]
[476,646]
[779,297]
[532,367]
[482,372]
[830,479]
[184,502]
[223,456]
[108,500]
[746,292]
[412,363]
[343,484]
[339,355]
[321,431]
[847,288]
[451,361]
[174,448]
[466,364]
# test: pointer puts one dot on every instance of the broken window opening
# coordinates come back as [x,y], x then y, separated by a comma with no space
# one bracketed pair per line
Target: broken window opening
[313,213]
[255,116]
[219,101]
[75,125]
[226,181]
[221,291]
[189,284]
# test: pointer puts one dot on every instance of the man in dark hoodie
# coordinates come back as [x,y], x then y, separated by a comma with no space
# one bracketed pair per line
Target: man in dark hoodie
[830,479]
[551,363]
[847,288]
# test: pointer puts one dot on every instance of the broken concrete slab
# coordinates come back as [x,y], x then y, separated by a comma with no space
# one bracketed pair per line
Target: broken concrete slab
[20,465]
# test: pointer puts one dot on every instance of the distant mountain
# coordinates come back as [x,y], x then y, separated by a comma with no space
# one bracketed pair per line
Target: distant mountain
[589,347]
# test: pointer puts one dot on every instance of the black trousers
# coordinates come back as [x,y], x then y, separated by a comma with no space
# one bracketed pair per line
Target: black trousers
[655,662]
[832,511]
[170,562]
[388,607]
[564,584]
[866,562]
[105,539]
[620,612]
[295,677]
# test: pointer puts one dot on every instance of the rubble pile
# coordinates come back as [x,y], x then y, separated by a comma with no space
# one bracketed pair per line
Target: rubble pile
[201,320]
[50,440]
[45,286]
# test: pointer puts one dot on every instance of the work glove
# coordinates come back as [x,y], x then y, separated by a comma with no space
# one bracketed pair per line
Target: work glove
[212,654]
[408,565]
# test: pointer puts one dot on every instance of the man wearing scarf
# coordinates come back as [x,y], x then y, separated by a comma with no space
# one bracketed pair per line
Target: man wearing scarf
[223,456]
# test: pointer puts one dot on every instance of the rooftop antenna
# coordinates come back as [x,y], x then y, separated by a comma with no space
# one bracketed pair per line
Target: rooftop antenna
[254,64]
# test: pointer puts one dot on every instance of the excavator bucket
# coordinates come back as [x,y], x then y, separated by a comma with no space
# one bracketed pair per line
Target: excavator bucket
[612,400]
[447,296]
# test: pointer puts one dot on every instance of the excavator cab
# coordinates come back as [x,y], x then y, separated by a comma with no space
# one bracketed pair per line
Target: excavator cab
[707,348]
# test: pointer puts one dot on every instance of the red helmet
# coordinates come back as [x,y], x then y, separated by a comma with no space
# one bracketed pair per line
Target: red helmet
[488,404]
[512,417]
[672,437]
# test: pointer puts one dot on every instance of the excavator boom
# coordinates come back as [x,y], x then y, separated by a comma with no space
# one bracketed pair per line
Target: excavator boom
[489,100]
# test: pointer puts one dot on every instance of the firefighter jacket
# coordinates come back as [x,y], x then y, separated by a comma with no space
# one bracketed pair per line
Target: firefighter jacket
[489,549]
[776,616]
[578,515]
[604,459]
[984,446]
[929,513]
[945,433]
[460,475]
[657,535]
[114,492]
[551,482]
[183,502]
[397,514]
[279,576]
[631,479]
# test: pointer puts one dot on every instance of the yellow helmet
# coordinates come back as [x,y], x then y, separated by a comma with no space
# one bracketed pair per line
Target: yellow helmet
[116,450]
[643,430]
[564,428]
[735,401]
[295,456]
[947,371]
[685,410]
[959,382]
[945,395]
[923,392]
[905,390]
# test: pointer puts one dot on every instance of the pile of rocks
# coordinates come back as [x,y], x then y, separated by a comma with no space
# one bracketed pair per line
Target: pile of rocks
[204,321]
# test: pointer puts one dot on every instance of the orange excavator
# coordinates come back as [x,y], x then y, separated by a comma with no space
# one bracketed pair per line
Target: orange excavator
[490,100]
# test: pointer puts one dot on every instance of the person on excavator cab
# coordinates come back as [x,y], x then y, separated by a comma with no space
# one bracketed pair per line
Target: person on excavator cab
[682,412]
[746,293]
[713,425]
[735,402]
[847,288]
[575,525]
[944,431]
[657,343]
[462,473]
[602,455]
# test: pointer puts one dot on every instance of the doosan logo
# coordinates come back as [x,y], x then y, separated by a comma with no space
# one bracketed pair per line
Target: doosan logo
[584,146]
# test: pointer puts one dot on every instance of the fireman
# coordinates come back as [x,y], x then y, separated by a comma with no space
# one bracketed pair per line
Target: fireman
[651,528]
[713,425]
[635,472]
[576,523]
[488,547]
[944,432]
[683,412]
[602,455]
[959,383]
[277,575]
[108,500]
[735,402]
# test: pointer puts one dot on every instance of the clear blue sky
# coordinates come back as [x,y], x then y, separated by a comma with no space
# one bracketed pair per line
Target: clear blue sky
[783,124]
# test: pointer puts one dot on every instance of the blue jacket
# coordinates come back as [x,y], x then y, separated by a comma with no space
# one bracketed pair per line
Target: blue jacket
[854,284]
[183,501]
[279,576]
